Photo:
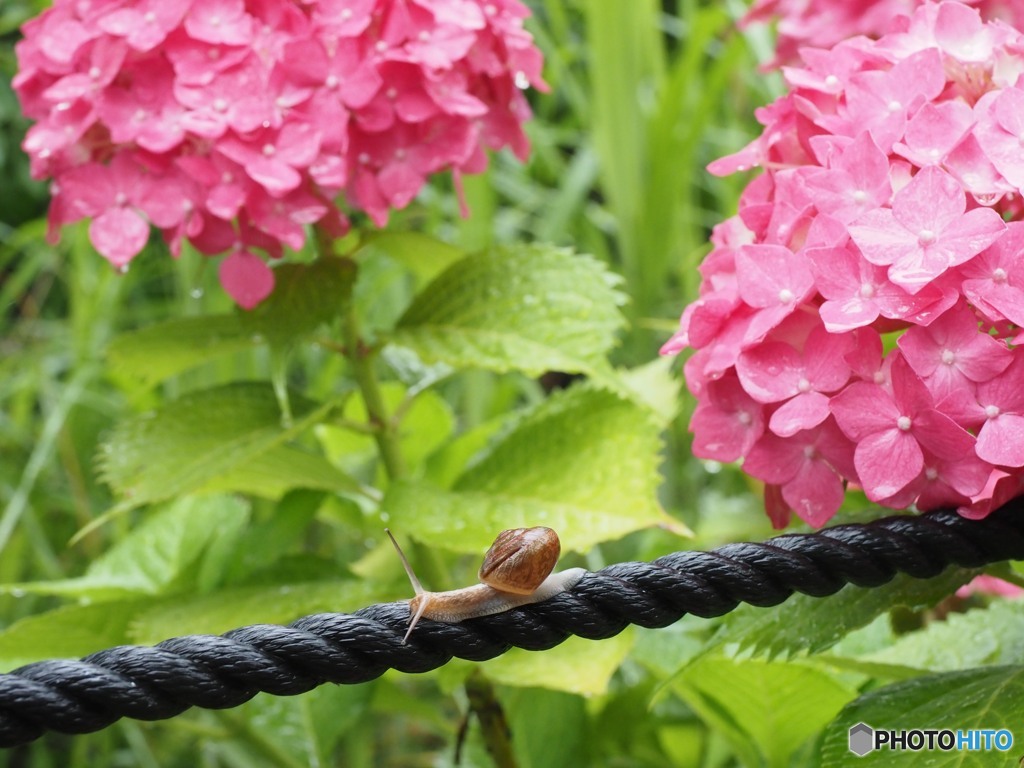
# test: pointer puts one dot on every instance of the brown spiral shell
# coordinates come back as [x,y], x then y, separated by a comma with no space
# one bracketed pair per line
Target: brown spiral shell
[520,559]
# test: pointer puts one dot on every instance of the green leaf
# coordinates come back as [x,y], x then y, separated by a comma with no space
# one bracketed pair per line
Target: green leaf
[583,462]
[68,632]
[207,437]
[446,464]
[421,254]
[274,472]
[227,609]
[811,624]
[766,710]
[664,651]
[577,666]
[159,351]
[529,308]
[654,386]
[988,698]
[996,637]
[163,554]
[549,728]
[304,729]
[305,296]
[263,543]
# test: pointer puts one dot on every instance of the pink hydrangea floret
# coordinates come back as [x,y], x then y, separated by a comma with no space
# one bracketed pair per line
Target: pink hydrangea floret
[859,318]
[824,23]
[235,124]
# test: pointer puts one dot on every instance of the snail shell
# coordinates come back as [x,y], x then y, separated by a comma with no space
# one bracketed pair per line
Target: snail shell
[516,571]
[520,559]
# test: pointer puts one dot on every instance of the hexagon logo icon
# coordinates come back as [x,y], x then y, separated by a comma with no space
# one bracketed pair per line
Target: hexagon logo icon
[862,739]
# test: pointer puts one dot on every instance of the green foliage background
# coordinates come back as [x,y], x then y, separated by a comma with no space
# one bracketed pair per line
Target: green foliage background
[171,465]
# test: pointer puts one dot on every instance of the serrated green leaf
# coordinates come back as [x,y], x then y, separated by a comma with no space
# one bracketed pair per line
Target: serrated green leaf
[996,636]
[987,698]
[68,632]
[305,296]
[530,308]
[805,624]
[238,607]
[159,351]
[162,554]
[580,666]
[204,438]
[583,462]
[273,473]
[765,709]
[655,386]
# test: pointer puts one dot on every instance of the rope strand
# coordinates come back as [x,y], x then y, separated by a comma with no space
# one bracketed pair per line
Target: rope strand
[216,672]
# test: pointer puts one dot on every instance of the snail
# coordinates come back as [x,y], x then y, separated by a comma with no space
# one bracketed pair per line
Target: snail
[516,571]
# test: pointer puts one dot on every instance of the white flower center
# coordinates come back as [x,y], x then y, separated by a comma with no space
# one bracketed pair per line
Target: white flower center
[999,275]
[991,411]
[925,237]
[785,296]
[948,356]
[803,386]
[867,291]
[859,196]
[903,423]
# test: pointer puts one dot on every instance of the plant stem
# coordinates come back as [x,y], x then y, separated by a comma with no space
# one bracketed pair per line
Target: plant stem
[483,702]
[385,428]
[362,358]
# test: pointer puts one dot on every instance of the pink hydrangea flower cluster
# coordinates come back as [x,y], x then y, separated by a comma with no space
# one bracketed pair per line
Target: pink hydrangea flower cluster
[823,23]
[234,124]
[859,319]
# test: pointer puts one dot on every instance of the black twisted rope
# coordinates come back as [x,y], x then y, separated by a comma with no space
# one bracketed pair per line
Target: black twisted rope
[153,683]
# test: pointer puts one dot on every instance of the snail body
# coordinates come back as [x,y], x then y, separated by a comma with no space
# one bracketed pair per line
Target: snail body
[517,570]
